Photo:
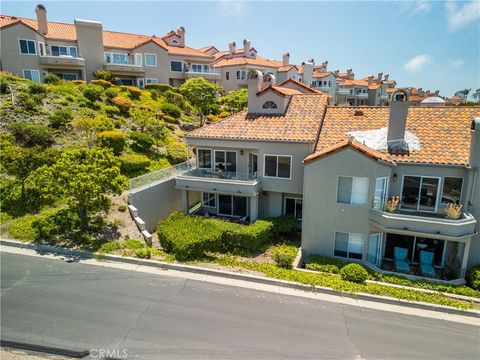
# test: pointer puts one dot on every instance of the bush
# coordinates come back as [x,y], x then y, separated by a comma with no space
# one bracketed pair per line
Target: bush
[122,208]
[284,255]
[60,118]
[79,82]
[144,253]
[36,88]
[112,139]
[111,111]
[175,98]
[474,277]
[102,74]
[141,141]
[224,114]
[159,87]
[251,238]
[51,78]
[132,165]
[171,110]
[134,93]
[22,228]
[103,83]
[29,135]
[177,152]
[4,86]
[354,272]
[93,92]
[111,93]
[169,119]
[4,217]
[213,118]
[64,224]
[324,264]
[154,94]
[123,104]
[283,226]
[188,237]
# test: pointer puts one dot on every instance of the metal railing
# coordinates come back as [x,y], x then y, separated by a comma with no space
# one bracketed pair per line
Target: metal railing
[221,175]
[156,176]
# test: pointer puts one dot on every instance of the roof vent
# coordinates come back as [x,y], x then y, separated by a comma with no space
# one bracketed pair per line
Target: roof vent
[358,113]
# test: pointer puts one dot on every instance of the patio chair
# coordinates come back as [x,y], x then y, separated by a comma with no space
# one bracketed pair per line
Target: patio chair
[400,256]
[426,264]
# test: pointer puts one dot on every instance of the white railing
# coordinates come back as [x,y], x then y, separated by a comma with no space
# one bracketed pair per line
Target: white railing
[153,177]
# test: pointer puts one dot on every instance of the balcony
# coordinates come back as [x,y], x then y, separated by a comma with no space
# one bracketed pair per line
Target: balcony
[62,62]
[415,223]
[361,95]
[219,181]
[210,74]
[125,69]
[344,91]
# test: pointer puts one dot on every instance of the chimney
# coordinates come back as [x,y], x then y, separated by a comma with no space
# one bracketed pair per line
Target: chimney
[270,80]
[307,72]
[336,72]
[181,35]
[231,47]
[380,77]
[386,77]
[349,73]
[325,65]
[90,45]
[255,81]
[286,59]
[246,47]
[41,12]
[397,123]
[437,92]
[370,80]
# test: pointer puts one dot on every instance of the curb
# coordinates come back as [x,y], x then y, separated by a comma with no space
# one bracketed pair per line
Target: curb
[73,353]
[239,276]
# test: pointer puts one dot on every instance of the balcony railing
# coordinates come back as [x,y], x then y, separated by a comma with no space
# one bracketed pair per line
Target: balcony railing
[62,60]
[159,175]
[344,91]
[221,175]
[203,71]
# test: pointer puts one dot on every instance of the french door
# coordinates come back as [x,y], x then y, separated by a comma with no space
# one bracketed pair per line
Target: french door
[374,249]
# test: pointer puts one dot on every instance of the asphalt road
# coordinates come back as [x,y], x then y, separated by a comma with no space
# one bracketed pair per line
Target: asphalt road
[160,317]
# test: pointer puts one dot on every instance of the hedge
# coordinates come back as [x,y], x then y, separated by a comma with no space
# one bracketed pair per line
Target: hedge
[159,87]
[132,164]
[244,237]
[123,104]
[284,255]
[354,272]
[114,139]
[283,225]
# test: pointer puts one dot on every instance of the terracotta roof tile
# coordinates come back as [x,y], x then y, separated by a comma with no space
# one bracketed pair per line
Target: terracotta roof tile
[285,68]
[306,89]
[321,74]
[258,60]
[299,123]
[443,132]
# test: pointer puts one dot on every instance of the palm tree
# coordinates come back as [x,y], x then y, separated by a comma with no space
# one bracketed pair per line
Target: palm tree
[476,95]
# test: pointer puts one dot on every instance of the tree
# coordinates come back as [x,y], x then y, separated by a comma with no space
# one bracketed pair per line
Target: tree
[463,94]
[85,178]
[201,94]
[476,95]
[142,118]
[158,131]
[89,124]
[235,100]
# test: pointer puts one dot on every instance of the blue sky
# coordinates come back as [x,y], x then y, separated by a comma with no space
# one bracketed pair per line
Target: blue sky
[428,44]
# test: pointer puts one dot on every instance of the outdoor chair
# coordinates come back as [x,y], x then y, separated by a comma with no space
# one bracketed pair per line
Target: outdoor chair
[426,264]
[400,256]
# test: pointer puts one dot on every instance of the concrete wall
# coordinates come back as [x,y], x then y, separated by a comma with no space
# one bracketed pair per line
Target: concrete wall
[156,202]
[90,45]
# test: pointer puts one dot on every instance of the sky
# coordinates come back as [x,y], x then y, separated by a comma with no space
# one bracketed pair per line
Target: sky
[433,45]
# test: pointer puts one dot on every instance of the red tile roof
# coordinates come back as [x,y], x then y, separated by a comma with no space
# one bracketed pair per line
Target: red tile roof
[258,61]
[306,89]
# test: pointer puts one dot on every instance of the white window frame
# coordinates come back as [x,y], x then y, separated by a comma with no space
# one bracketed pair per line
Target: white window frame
[387,185]
[154,56]
[276,177]
[112,55]
[348,245]
[217,202]
[140,82]
[352,177]
[151,81]
[214,199]
[32,70]
[249,163]
[443,184]
[34,45]
[138,59]
[295,210]
[67,49]
[212,160]
[44,52]
[70,51]
[225,151]
[181,62]
[438,200]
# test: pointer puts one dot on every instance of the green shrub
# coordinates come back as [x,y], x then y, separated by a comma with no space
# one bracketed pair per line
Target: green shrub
[123,104]
[188,237]
[223,114]
[4,89]
[141,141]
[283,226]
[51,78]
[103,83]
[64,224]
[324,264]
[176,98]
[144,253]
[111,93]
[102,74]
[22,228]
[154,94]
[4,217]
[60,118]
[171,110]
[251,238]
[169,119]
[113,139]
[122,208]
[177,152]
[36,88]
[134,93]
[29,135]
[110,111]
[284,255]
[132,164]
[159,87]
[474,277]
[93,92]
[79,82]
[354,272]
[213,118]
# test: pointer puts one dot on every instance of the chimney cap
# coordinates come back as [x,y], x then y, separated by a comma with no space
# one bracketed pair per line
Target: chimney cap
[41,7]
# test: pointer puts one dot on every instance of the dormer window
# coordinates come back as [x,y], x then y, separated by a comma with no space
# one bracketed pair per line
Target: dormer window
[174,42]
[269,105]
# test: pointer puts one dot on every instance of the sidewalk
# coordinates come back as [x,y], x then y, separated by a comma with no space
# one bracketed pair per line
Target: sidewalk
[471,317]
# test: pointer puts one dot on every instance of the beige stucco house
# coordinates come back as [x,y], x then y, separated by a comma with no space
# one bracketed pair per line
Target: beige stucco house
[31,48]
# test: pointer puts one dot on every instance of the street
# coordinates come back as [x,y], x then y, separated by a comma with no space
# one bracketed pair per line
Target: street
[148,316]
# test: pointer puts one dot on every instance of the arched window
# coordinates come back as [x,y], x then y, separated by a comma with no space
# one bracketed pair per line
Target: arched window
[174,42]
[269,105]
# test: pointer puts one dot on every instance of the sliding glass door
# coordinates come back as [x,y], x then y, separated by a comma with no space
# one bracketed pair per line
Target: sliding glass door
[420,193]
[380,193]
[225,161]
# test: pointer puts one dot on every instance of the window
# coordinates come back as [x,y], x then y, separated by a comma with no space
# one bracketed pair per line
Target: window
[208,199]
[27,47]
[116,58]
[452,190]
[176,66]
[126,82]
[227,75]
[196,68]
[293,206]
[243,74]
[138,57]
[352,190]
[33,75]
[59,50]
[204,157]
[232,205]
[41,48]
[174,42]
[151,81]
[380,193]
[252,163]
[225,161]
[269,105]
[67,76]
[348,245]
[151,60]
[278,166]
[140,83]
[238,75]
[73,51]
[420,193]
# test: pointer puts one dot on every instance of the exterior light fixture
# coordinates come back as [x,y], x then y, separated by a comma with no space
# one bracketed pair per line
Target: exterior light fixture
[394,177]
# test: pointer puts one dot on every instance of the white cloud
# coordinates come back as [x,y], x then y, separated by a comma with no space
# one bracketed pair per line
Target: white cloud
[460,16]
[417,63]
[456,63]
[420,7]
[231,8]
